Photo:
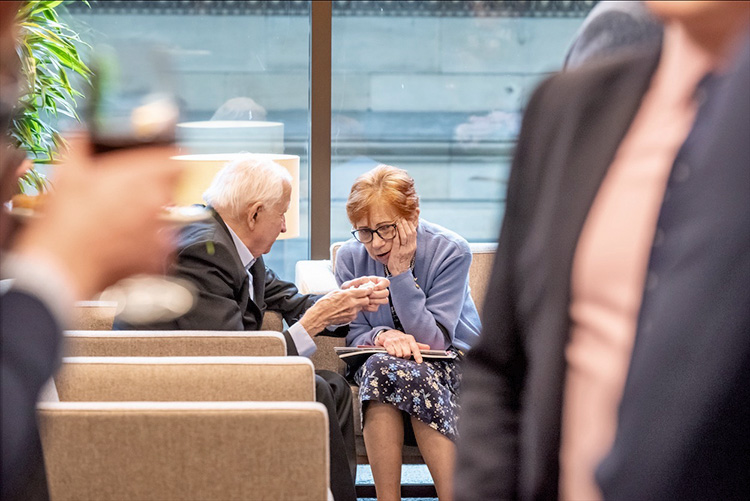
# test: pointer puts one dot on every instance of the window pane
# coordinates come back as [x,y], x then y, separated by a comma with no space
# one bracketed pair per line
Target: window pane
[235,61]
[438,88]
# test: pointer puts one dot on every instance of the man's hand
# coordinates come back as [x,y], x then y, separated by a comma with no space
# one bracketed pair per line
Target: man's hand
[378,287]
[336,307]
[401,345]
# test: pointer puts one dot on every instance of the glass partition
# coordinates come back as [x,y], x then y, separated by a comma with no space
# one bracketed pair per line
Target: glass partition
[435,87]
[438,88]
[242,73]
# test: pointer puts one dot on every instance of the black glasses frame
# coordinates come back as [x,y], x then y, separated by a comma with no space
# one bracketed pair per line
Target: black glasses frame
[372,233]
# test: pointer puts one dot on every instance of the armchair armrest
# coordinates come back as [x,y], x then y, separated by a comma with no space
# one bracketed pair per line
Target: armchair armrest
[314,276]
[325,357]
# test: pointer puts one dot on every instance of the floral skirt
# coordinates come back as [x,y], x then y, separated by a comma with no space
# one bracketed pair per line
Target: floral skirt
[426,391]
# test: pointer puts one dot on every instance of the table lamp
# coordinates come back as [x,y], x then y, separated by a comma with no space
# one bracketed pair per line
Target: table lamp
[199,170]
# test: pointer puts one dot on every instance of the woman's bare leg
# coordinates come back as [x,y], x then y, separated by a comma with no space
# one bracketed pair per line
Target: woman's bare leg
[439,453]
[384,440]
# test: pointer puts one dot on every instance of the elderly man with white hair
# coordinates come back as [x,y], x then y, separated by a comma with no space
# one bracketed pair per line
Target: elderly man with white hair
[223,258]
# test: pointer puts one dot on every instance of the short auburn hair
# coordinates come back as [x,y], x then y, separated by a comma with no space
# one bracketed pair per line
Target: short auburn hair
[385,185]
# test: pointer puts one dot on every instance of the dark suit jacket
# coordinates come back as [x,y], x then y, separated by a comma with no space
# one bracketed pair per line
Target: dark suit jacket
[30,342]
[207,257]
[513,384]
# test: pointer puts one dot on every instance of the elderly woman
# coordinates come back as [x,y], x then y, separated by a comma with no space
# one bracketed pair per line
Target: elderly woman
[430,307]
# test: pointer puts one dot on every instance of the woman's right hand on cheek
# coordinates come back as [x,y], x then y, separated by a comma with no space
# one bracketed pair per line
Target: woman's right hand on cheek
[403,247]
[401,345]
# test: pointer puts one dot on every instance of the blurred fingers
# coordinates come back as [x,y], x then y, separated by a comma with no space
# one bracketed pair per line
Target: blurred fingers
[356,293]
[381,282]
[379,296]
[355,282]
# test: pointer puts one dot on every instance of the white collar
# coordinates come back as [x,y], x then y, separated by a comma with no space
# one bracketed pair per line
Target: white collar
[246,256]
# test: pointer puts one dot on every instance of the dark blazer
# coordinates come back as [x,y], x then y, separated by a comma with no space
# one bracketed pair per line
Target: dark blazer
[512,390]
[30,342]
[511,395]
[208,258]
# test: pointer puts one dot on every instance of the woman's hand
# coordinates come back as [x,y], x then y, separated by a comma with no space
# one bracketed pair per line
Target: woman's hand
[377,287]
[401,345]
[404,247]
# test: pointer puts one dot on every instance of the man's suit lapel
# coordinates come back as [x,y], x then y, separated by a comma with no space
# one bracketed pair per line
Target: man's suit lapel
[258,307]
[601,108]
[597,116]
[252,317]
[599,130]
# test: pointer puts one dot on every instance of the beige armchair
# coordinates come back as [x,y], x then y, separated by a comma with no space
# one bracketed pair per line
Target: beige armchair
[90,379]
[317,277]
[173,344]
[100,316]
[185,450]
[94,315]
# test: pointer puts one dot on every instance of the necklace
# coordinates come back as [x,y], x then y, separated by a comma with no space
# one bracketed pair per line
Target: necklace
[411,266]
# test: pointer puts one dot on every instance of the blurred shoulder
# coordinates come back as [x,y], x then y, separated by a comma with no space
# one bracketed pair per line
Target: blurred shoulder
[198,233]
[596,78]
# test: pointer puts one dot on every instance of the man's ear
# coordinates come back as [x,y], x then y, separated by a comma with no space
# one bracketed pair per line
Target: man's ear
[252,214]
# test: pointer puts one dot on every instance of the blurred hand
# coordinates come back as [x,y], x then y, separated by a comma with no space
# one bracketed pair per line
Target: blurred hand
[100,223]
[378,287]
[401,345]
[337,307]
[404,247]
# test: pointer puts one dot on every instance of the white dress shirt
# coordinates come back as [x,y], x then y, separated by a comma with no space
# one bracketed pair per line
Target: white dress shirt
[302,340]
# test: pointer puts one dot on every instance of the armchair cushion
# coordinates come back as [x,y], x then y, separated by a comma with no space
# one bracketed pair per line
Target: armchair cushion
[173,343]
[185,378]
[185,450]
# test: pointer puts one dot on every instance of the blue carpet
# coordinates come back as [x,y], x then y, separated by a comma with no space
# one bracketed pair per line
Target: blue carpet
[410,474]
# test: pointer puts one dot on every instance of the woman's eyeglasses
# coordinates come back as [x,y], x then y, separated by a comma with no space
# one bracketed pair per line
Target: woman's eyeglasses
[385,232]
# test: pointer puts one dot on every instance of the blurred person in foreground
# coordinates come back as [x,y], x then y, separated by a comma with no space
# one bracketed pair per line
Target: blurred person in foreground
[430,308]
[99,225]
[616,354]
[223,258]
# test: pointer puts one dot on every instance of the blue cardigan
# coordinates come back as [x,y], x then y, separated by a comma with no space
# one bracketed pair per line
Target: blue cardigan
[439,295]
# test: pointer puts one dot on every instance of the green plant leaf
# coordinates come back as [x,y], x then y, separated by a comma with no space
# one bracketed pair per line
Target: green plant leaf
[44,6]
[48,51]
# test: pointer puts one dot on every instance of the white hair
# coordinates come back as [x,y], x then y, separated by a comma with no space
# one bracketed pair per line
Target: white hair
[244,181]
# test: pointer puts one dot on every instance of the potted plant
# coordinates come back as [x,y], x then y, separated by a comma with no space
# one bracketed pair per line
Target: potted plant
[49,57]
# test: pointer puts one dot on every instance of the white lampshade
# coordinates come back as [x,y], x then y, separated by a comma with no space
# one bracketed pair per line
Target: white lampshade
[222,136]
[199,170]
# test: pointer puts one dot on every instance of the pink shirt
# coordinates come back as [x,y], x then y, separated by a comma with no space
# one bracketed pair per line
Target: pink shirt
[611,259]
